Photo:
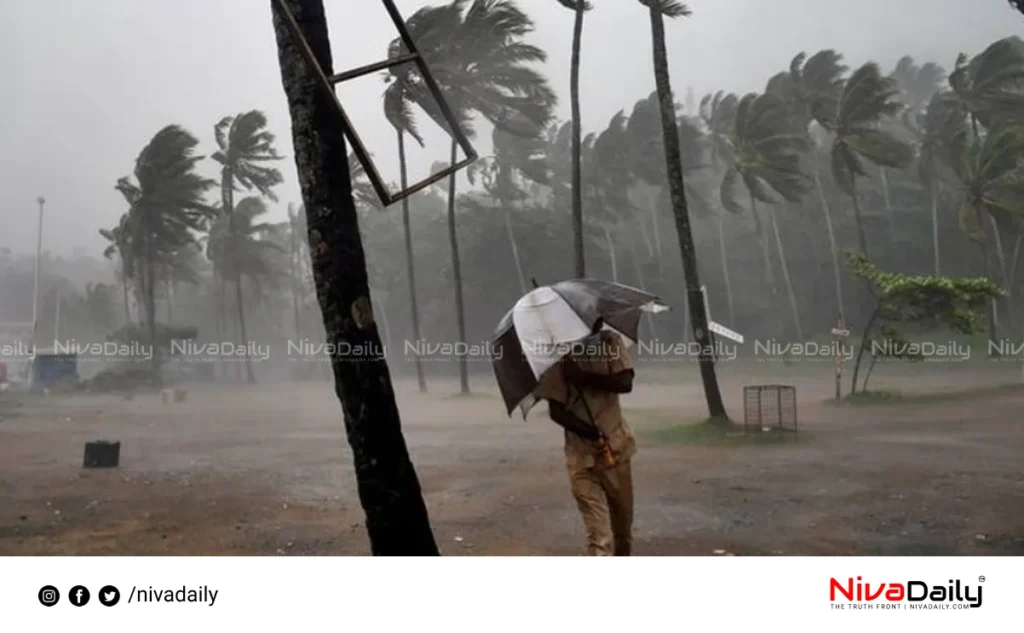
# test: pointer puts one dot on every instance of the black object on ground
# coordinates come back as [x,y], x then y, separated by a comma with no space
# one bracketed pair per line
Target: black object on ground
[102,454]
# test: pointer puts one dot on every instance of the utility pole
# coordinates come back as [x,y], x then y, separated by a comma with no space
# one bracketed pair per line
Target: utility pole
[35,293]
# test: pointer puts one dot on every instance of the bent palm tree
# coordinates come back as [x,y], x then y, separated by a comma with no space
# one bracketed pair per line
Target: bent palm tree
[866,100]
[119,239]
[244,145]
[674,166]
[166,207]
[764,154]
[481,62]
[579,7]
[991,187]
[399,114]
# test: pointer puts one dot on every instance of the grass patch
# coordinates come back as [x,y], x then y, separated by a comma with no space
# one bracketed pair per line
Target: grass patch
[874,398]
[714,432]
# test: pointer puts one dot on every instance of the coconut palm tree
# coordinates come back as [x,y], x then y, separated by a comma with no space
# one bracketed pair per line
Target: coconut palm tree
[812,86]
[658,9]
[991,186]
[867,99]
[764,154]
[579,7]
[934,130]
[480,60]
[119,238]
[988,85]
[389,491]
[244,147]
[398,110]
[166,207]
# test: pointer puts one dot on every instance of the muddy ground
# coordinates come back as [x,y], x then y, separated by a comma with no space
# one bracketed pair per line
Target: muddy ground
[267,471]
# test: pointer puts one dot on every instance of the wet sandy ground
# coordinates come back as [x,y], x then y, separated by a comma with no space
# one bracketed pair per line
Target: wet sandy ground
[266,470]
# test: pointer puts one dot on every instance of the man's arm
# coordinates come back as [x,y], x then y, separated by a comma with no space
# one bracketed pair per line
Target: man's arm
[619,382]
[568,421]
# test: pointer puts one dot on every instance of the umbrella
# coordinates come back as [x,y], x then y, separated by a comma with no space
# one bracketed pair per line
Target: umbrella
[537,332]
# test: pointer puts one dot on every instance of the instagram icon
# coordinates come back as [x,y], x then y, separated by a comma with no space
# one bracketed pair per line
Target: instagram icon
[49,596]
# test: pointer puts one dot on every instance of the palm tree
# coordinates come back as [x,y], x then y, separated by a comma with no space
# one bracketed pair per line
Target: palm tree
[987,86]
[934,131]
[991,183]
[764,154]
[244,248]
[244,145]
[480,60]
[399,114]
[813,86]
[579,7]
[119,243]
[389,490]
[166,207]
[866,100]
[674,166]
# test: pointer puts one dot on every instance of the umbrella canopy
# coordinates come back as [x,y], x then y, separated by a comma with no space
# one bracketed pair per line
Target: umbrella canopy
[541,327]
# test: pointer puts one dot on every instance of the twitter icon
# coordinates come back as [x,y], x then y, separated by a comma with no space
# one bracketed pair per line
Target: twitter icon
[109,596]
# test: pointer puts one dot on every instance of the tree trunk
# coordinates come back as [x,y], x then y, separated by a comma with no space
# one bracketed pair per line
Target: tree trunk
[611,256]
[674,167]
[1012,282]
[888,203]
[987,267]
[150,297]
[837,271]
[124,288]
[170,298]
[762,240]
[389,491]
[1001,260]
[638,271]
[934,194]
[222,328]
[410,264]
[227,194]
[384,322]
[515,249]
[460,314]
[580,268]
[862,240]
[864,339]
[725,269]
[294,272]
[785,275]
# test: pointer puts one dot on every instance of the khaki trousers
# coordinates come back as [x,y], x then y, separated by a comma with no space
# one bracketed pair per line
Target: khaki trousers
[605,499]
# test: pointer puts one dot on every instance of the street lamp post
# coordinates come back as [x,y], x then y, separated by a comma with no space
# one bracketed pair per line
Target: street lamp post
[35,292]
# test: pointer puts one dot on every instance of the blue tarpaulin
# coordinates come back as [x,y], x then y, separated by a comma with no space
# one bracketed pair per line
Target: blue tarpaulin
[50,369]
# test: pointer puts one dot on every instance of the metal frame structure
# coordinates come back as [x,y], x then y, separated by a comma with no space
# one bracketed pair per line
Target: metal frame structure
[763,393]
[413,56]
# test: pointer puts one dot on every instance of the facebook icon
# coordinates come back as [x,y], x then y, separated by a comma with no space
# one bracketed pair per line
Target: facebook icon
[79,596]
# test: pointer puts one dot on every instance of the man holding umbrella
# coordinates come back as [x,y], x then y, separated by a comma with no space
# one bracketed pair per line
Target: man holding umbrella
[583,398]
[568,343]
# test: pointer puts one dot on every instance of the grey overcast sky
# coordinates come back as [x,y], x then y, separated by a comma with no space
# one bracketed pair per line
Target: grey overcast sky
[85,84]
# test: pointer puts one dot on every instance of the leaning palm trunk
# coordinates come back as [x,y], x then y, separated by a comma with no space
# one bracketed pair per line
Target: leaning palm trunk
[785,274]
[1001,259]
[1012,280]
[677,187]
[124,289]
[460,315]
[515,249]
[889,214]
[725,268]
[388,488]
[987,268]
[837,271]
[934,193]
[762,240]
[862,240]
[410,264]
[227,194]
[579,259]
[150,297]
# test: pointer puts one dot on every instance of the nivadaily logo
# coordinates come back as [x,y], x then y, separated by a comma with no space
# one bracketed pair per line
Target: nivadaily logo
[913,594]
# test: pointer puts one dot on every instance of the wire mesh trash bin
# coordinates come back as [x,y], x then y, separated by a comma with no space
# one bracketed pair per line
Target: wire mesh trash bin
[769,407]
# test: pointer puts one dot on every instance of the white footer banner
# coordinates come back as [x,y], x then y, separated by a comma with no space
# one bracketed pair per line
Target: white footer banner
[509,594]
